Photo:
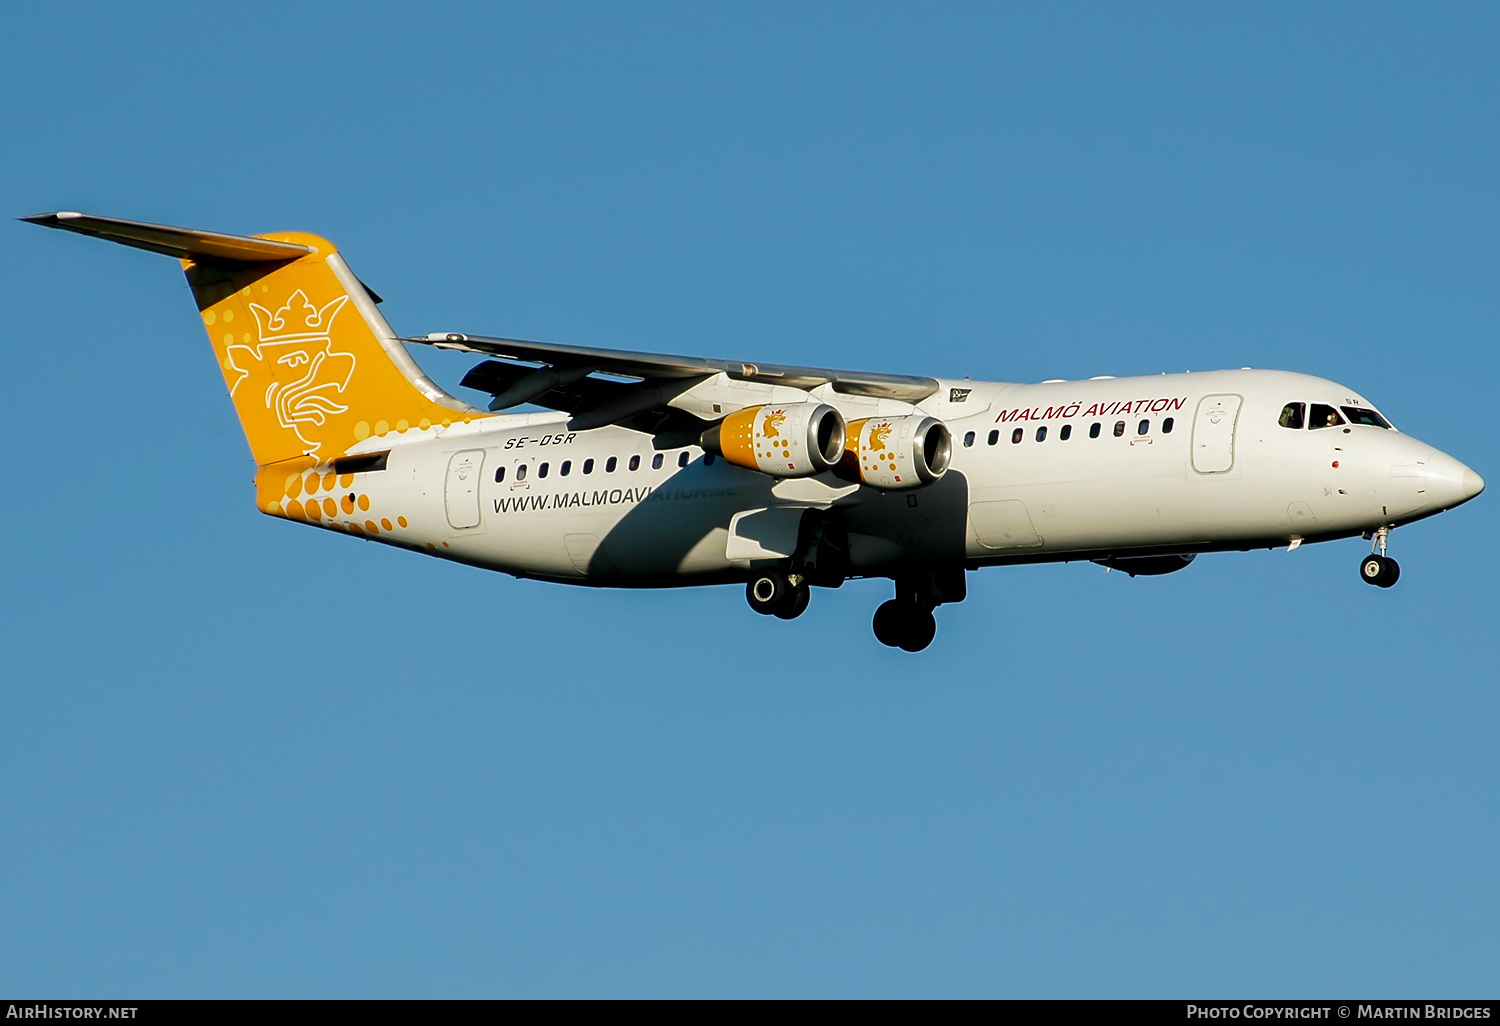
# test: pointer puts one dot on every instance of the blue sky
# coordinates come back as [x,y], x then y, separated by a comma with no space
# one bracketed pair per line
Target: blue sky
[246,759]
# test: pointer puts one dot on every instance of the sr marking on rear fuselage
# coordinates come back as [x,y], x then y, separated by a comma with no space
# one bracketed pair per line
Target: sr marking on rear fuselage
[522,442]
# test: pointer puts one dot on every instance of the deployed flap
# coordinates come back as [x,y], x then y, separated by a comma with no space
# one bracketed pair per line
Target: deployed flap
[908,388]
[183,243]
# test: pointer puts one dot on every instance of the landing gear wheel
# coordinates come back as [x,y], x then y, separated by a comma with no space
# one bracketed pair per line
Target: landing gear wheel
[889,620]
[920,628]
[794,602]
[1381,571]
[766,591]
[905,626]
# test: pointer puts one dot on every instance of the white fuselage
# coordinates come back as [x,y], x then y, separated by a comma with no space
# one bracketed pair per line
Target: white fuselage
[1222,474]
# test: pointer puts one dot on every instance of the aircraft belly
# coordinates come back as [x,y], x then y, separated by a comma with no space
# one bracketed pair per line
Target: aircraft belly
[1073,515]
[928,524]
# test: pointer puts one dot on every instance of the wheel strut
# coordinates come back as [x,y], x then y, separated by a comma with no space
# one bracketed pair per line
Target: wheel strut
[1377,568]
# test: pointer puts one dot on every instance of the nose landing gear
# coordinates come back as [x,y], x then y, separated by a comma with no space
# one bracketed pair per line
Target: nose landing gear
[1377,568]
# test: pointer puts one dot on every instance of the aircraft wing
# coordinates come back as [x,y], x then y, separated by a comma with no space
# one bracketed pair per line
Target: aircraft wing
[568,377]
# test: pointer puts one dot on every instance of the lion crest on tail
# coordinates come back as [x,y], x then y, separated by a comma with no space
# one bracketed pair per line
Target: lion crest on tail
[295,350]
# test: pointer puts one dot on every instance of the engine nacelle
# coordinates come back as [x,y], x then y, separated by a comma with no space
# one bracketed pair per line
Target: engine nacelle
[897,452]
[795,440]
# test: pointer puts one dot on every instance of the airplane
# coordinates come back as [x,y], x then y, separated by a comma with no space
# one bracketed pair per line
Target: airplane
[650,470]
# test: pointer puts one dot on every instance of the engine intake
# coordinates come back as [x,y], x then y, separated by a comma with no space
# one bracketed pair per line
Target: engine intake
[795,440]
[897,452]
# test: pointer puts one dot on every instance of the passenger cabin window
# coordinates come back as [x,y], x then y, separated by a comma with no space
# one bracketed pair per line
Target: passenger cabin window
[1166,426]
[541,471]
[1324,416]
[1066,432]
[682,458]
[1361,415]
[588,466]
[1016,436]
[566,468]
[610,465]
[1119,429]
[1292,414]
[656,461]
[1094,430]
[994,437]
[1041,433]
[1143,427]
[521,472]
[499,474]
[968,439]
[635,463]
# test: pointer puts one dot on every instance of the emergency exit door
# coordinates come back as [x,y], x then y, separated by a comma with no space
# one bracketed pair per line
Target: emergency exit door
[1213,433]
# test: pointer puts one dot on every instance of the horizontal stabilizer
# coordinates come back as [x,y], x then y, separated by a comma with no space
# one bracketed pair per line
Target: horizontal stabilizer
[183,243]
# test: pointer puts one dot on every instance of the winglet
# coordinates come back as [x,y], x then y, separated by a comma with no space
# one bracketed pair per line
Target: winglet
[183,243]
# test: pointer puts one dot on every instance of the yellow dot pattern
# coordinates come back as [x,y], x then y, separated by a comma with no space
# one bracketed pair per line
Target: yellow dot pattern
[320,495]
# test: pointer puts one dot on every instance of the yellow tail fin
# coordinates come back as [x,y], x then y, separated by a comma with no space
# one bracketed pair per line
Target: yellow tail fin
[312,366]
[310,363]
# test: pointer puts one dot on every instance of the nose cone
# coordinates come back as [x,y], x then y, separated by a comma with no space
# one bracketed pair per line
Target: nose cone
[1473,484]
[1449,482]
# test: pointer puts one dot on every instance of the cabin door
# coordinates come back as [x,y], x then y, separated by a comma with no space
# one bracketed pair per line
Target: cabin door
[1213,433]
[461,490]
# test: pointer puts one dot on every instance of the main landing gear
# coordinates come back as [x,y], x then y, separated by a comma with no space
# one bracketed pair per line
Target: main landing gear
[906,621]
[905,626]
[1377,568]
[775,593]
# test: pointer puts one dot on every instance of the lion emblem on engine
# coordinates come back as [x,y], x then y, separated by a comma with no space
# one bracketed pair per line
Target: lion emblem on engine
[878,435]
[773,422]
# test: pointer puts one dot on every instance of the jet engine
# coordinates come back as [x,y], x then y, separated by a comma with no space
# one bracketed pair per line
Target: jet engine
[897,452]
[794,440]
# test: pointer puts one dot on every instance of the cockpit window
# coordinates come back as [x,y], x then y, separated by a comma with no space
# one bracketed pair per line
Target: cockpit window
[1292,414]
[1324,416]
[1362,415]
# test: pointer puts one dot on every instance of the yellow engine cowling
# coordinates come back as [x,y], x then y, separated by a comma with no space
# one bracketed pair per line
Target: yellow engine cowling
[794,440]
[897,452]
